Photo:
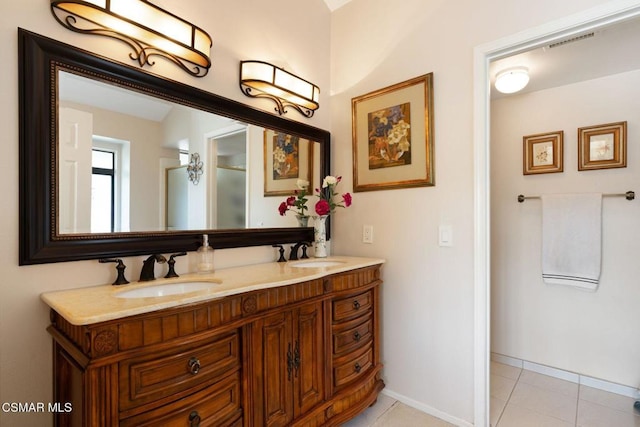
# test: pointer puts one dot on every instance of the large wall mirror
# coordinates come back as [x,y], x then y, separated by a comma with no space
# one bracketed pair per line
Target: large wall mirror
[118,162]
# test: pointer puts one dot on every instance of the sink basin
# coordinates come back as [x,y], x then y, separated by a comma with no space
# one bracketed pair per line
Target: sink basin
[316,264]
[165,289]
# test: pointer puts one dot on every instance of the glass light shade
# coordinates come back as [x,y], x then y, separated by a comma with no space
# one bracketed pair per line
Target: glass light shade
[512,80]
[147,24]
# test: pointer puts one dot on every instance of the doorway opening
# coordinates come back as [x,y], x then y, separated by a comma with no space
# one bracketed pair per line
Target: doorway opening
[593,19]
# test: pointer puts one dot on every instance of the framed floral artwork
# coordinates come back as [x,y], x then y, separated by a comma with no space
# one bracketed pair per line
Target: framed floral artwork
[287,158]
[393,136]
[543,153]
[602,146]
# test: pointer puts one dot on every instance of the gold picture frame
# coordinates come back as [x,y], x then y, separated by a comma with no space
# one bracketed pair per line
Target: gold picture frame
[388,129]
[602,146]
[543,153]
[287,158]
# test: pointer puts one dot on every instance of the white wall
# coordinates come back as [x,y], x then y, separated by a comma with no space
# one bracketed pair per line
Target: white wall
[594,334]
[251,29]
[428,295]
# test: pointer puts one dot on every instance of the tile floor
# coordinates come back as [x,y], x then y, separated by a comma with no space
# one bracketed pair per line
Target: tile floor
[520,398]
[388,412]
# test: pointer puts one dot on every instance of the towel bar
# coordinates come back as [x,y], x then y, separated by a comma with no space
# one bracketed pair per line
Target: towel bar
[629,195]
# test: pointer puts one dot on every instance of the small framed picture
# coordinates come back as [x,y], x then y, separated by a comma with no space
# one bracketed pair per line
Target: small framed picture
[543,153]
[602,146]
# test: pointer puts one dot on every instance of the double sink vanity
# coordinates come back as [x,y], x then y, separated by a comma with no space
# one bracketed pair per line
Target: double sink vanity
[276,344]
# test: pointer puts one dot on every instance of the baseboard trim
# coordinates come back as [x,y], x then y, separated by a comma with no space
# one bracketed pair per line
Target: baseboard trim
[567,376]
[426,408]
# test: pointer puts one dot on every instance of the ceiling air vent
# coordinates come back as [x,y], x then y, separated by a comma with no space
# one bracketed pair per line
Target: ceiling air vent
[571,40]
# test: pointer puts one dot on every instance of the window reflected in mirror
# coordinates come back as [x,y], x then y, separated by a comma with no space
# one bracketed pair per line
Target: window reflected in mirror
[103,189]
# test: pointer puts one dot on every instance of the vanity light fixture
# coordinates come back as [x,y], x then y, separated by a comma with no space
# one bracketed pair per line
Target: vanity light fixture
[512,80]
[260,79]
[146,28]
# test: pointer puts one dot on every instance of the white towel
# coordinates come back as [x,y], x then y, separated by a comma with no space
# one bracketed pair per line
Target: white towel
[572,239]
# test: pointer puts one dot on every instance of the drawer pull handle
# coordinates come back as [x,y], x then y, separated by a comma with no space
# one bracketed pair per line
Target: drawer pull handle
[357,368]
[356,336]
[356,304]
[194,419]
[194,366]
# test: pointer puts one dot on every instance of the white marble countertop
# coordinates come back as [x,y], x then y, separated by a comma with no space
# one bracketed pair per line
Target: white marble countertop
[84,306]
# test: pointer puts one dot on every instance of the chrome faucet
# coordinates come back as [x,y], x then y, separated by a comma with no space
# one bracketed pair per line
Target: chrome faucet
[148,265]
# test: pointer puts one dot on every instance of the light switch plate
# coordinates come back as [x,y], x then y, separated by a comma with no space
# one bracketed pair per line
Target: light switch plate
[367,234]
[445,235]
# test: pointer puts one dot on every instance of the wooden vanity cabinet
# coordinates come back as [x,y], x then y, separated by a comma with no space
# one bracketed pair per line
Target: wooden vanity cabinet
[305,354]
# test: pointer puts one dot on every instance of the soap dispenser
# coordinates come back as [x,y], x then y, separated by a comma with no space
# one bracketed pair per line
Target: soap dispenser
[205,256]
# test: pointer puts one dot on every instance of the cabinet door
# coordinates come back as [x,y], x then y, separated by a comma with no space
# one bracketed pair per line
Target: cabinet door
[308,357]
[272,349]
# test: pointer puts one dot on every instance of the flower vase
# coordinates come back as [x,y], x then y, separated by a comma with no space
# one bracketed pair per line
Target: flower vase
[320,236]
[303,220]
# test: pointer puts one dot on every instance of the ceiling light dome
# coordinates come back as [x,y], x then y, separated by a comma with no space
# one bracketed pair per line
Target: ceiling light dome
[512,80]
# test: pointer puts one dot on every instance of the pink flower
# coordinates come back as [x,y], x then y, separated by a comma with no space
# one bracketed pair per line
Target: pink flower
[283,208]
[291,201]
[346,197]
[322,207]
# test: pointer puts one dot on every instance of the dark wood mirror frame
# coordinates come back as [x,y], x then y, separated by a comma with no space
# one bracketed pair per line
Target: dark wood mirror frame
[39,59]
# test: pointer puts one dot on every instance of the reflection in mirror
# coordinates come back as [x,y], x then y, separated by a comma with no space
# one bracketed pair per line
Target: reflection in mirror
[114,143]
[97,179]
[231,181]
[177,183]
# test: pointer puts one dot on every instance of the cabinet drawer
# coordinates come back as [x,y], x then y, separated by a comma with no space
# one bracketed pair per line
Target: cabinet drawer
[352,368]
[170,375]
[217,405]
[353,335]
[353,306]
